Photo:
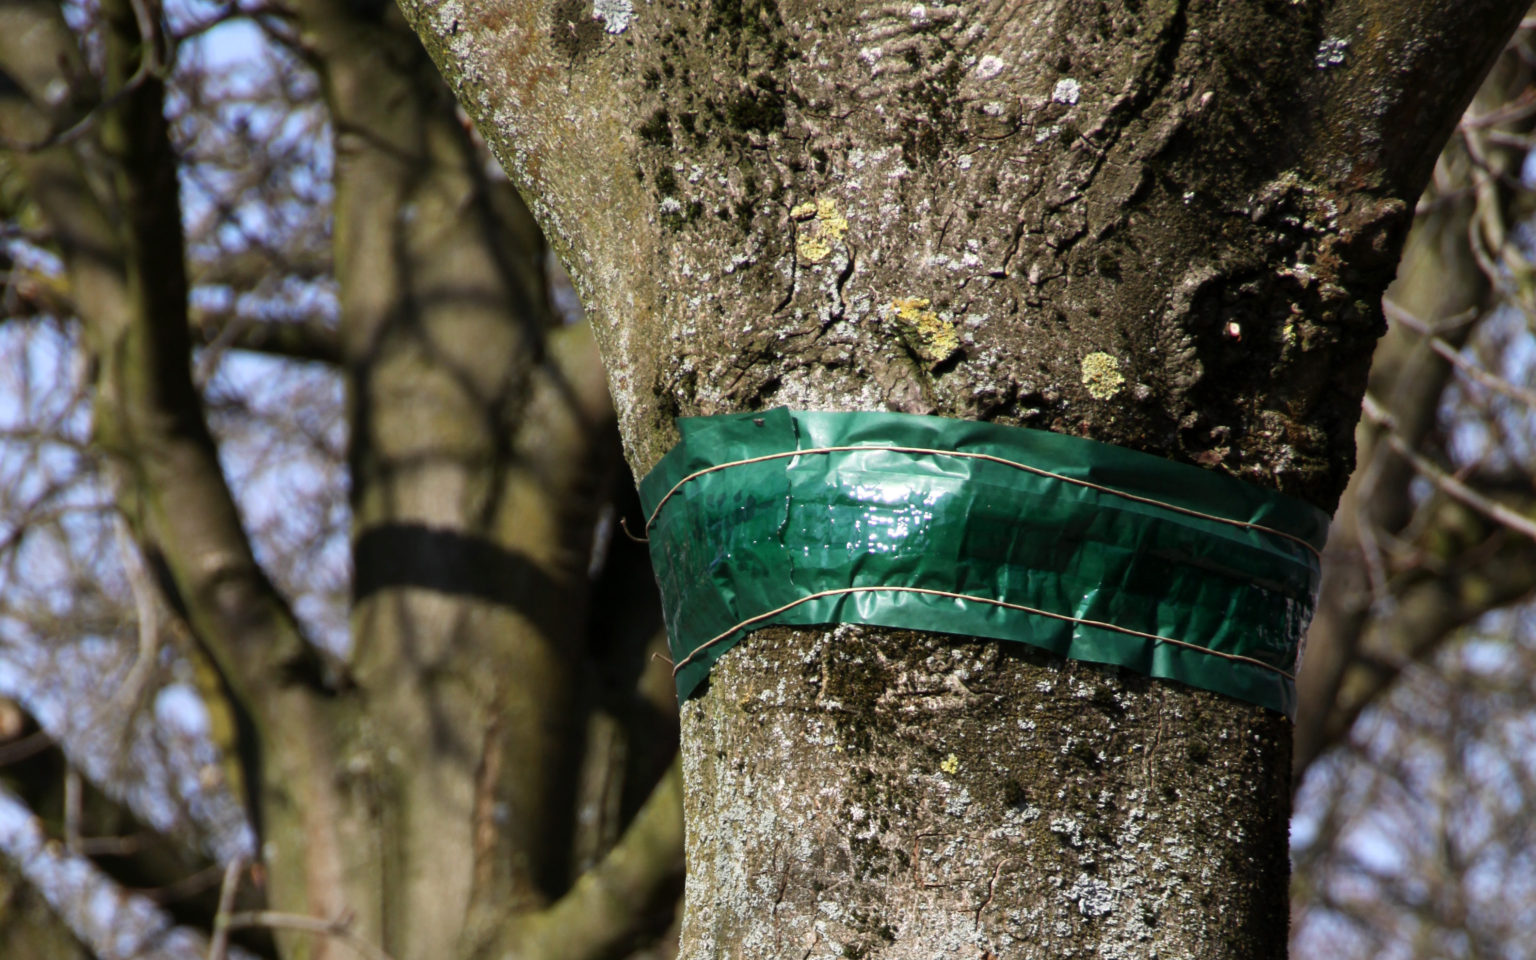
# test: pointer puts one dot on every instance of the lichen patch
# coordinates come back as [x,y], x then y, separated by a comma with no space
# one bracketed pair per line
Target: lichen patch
[1102,376]
[615,15]
[821,228]
[1067,91]
[933,338]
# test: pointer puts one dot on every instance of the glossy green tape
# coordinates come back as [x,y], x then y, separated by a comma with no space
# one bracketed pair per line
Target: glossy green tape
[1092,551]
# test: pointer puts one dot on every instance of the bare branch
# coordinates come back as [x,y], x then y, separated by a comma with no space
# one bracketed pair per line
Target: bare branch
[339,929]
[218,946]
[309,338]
[75,888]
[1451,486]
[1453,356]
[616,900]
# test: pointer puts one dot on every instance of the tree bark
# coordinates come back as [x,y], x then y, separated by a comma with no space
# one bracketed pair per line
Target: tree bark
[1165,225]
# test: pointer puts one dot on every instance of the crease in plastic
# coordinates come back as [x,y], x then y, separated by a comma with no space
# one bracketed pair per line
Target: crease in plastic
[732,544]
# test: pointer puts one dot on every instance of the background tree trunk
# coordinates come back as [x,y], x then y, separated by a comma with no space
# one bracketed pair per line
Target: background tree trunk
[1162,225]
[426,789]
[1366,631]
[481,447]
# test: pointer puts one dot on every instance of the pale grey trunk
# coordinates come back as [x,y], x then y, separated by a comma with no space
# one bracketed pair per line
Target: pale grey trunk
[863,793]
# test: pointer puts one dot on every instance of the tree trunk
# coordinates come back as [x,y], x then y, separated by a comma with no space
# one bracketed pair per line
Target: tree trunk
[480,446]
[1162,225]
[424,795]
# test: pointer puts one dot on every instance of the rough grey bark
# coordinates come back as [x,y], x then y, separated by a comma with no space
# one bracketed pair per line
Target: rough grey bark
[1165,225]
[905,795]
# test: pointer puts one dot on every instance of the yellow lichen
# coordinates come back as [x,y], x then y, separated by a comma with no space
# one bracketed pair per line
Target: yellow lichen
[911,310]
[929,335]
[1101,375]
[825,227]
[813,248]
[950,765]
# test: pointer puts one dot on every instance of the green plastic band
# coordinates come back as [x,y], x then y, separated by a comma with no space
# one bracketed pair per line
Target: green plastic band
[1089,550]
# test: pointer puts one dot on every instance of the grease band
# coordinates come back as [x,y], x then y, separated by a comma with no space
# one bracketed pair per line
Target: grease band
[1089,550]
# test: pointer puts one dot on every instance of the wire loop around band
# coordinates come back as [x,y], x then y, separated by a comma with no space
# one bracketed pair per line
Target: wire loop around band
[877,448]
[750,621]
[1091,551]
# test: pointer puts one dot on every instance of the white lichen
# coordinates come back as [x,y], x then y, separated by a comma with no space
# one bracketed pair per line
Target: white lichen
[1067,91]
[1092,895]
[615,14]
[990,67]
[1330,53]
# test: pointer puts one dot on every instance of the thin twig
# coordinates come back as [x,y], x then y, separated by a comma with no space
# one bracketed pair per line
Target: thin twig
[131,690]
[73,805]
[1449,485]
[27,746]
[1453,356]
[339,928]
[218,944]
[109,846]
[188,886]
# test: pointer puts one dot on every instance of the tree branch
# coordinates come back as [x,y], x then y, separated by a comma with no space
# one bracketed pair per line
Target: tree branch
[307,338]
[613,903]
[1383,51]
[339,929]
[1449,485]
[74,887]
[1440,289]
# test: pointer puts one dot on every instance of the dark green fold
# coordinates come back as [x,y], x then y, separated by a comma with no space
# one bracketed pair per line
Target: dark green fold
[735,543]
